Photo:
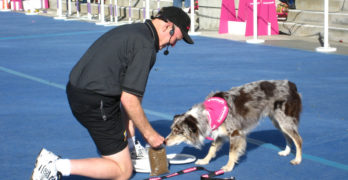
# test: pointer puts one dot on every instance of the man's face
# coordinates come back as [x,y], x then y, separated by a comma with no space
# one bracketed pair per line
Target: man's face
[172,39]
[177,36]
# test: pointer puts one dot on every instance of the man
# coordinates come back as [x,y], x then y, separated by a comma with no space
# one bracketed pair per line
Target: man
[114,71]
[178,3]
[291,3]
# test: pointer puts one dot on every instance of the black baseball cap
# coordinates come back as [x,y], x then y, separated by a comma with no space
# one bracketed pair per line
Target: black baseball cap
[179,18]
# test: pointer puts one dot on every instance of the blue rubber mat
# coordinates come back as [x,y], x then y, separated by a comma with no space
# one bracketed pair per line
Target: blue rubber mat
[37,54]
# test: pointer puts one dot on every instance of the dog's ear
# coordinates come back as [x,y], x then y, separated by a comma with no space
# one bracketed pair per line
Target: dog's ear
[177,116]
[220,95]
[191,123]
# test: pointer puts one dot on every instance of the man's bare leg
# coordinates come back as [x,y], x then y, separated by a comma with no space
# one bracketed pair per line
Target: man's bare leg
[117,166]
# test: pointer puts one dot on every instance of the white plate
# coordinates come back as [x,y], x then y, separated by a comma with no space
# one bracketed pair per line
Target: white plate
[180,158]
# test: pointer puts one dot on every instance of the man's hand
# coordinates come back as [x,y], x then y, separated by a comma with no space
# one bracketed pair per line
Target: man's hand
[134,110]
[155,140]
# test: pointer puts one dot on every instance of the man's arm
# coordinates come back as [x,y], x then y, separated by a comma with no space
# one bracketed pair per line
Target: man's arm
[132,105]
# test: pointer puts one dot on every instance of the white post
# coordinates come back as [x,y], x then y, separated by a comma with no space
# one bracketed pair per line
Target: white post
[60,10]
[116,11]
[69,8]
[130,11]
[147,9]
[111,11]
[101,14]
[255,40]
[89,14]
[158,5]
[77,3]
[102,11]
[192,16]
[143,9]
[17,5]
[326,47]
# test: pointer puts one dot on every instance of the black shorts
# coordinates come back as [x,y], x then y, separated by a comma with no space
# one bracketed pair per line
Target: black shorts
[101,115]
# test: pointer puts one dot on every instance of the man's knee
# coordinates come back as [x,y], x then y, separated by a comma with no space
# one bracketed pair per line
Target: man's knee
[128,172]
[123,161]
[125,173]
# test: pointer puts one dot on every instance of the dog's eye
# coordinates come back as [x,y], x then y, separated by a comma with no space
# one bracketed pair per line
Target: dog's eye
[177,131]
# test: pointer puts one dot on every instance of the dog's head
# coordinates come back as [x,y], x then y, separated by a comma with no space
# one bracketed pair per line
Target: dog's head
[185,128]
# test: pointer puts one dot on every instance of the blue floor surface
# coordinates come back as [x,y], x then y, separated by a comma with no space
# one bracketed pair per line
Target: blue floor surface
[37,54]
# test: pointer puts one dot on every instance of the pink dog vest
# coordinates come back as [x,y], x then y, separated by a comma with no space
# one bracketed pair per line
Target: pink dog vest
[217,112]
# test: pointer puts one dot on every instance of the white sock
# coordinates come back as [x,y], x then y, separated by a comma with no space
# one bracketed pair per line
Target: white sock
[63,166]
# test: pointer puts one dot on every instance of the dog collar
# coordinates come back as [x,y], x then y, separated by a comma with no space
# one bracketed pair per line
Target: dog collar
[217,111]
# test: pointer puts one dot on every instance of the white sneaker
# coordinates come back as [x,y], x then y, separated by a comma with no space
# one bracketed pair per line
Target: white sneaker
[45,167]
[141,165]
[139,152]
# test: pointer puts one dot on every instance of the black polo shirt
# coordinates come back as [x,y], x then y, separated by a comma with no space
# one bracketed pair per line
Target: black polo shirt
[120,60]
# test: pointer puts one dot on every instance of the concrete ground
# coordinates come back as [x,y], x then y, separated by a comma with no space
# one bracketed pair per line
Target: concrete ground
[281,40]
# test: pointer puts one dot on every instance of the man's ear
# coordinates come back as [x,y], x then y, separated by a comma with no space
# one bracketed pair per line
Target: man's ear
[167,26]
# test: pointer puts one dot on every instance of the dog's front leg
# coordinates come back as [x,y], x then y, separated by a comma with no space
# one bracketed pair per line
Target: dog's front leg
[237,148]
[215,146]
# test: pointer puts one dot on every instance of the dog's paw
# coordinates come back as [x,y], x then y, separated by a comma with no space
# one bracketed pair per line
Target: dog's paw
[202,162]
[227,168]
[295,161]
[285,152]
